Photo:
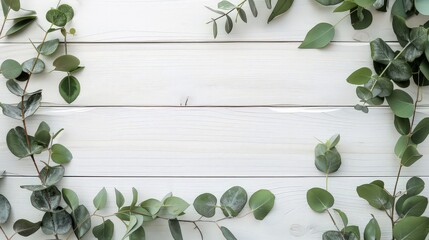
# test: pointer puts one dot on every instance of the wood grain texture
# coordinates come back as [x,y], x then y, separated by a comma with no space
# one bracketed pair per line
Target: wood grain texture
[291,218]
[217,141]
[184,21]
[219,74]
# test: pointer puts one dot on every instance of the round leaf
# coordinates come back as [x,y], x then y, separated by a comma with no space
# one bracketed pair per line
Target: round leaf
[233,201]
[261,203]
[60,154]
[415,186]
[375,195]
[58,222]
[360,76]
[205,205]
[46,200]
[56,17]
[52,175]
[67,10]
[372,230]
[319,199]
[48,47]
[401,103]
[411,228]
[5,209]
[66,63]
[11,69]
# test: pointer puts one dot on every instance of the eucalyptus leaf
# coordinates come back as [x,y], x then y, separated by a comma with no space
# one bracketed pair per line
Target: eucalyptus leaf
[69,88]
[381,52]
[136,221]
[360,24]
[52,175]
[152,206]
[225,5]
[49,47]
[81,221]
[60,154]
[415,186]
[56,17]
[5,209]
[172,207]
[410,156]
[100,199]
[360,76]
[372,230]
[34,66]
[414,206]
[411,228]
[66,63]
[332,235]
[242,14]
[58,222]
[329,2]
[319,199]
[120,200]
[104,231]
[46,200]
[233,201]
[345,6]
[135,197]
[15,5]
[402,125]
[401,103]
[399,71]
[215,31]
[281,7]
[10,69]
[261,203]
[67,10]
[138,234]
[319,36]
[376,196]
[205,205]
[228,24]
[421,131]
[71,198]
[268,3]
[26,228]
[175,229]
[227,233]
[20,25]
[17,143]
[253,8]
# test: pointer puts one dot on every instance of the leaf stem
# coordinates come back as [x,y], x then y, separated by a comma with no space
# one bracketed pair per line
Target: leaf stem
[4,21]
[351,12]
[335,223]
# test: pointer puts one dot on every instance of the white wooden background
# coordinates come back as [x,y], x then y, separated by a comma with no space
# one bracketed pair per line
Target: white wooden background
[255,106]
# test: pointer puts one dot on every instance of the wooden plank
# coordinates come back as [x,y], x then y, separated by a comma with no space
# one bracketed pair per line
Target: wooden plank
[217,141]
[291,218]
[170,20]
[245,74]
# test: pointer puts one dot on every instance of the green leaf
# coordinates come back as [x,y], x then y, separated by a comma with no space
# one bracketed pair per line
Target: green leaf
[49,47]
[205,205]
[71,198]
[261,203]
[81,221]
[333,141]
[357,22]
[376,196]
[15,5]
[5,7]
[401,103]
[233,201]
[56,17]
[268,3]
[5,209]
[411,228]
[402,144]
[381,52]
[343,217]
[332,235]
[364,3]
[225,5]
[26,228]
[281,7]
[410,156]
[17,143]
[152,206]
[138,234]
[120,200]
[33,66]
[58,222]
[352,232]
[421,131]
[101,199]
[227,233]
[253,8]
[415,186]
[175,229]
[214,29]
[402,125]
[329,2]
[364,93]
[372,230]
[172,207]
[345,6]
[242,14]
[104,231]
[329,162]
[319,36]
[69,89]
[136,221]
[11,69]
[319,199]
[60,154]
[46,200]
[52,175]
[422,6]
[20,25]
[401,30]
[67,10]
[360,76]
[66,63]
[414,206]
[399,71]
[228,24]
[135,197]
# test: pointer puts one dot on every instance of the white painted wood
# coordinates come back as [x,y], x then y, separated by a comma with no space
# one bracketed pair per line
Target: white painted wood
[244,74]
[172,20]
[217,141]
[291,218]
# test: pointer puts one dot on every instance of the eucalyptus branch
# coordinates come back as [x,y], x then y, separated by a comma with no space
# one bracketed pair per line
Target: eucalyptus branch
[228,12]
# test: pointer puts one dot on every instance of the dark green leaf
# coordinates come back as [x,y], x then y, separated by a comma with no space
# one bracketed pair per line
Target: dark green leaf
[175,229]
[138,234]
[56,17]
[360,76]
[67,10]
[410,156]
[402,144]
[120,200]
[214,29]
[261,203]
[26,228]
[228,24]
[69,89]
[66,63]
[46,200]
[319,36]
[242,14]
[352,232]
[81,221]
[401,103]
[411,228]
[415,186]
[10,69]
[101,199]
[58,222]
[17,143]
[205,205]
[233,201]
[376,196]
[60,154]
[15,5]
[20,25]
[227,234]
[319,199]
[399,71]
[421,131]
[43,135]
[358,23]
[402,125]
[71,198]
[401,30]
[253,8]
[5,209]
[104,231]
[414,206]
[329,162]
[52,175]
[381,52]
[281,7]
[343,217]
[372,230]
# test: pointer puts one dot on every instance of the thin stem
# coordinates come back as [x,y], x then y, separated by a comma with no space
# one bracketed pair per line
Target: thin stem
[4,233]
[327,181]
[4,22]
[230,11]
[65,43]
[199,230]
[345,17]
[335,223]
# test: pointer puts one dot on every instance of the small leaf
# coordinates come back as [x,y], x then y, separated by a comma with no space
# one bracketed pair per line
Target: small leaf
[360,76]
[268,3]
[26,228]
[410,156]
[172,207]
[66,63]
[228,24]
[205,205]
[71,198]
[281,7]
[372,230]
[17,143]
[10,69]
[135,197]
[69,89]
[152,206]
[253,8]
[319,36]
[5,209]
[227,234]
[233,199]
[402,125]
[242,14]
[136,221]
[101,199]
[421,131]
[214,29]
[319,199]
[343,217]
[364,93]
[401,103]
[104,231]
[175,229]
[60,154]
[411,228]
[352,232]
[225,5]
[67,10]
[20,25]
[30,66]
[415,186]
[120,200]
[261,203]
[49,47]
[56,17]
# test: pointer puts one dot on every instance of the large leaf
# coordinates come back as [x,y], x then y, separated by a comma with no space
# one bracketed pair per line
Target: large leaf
[173,207]
[15,5]
[46,200]
[319,199]
[360,76]
[10,69]
[281,7]
[372,230]
[227,234]
[411,228]
[49,47]
[60,154]
[69,89]
[104,231]
[205,205]
[401,103]
[421,131]
[33,65]
[58,222]
[414,206]
[233,201]
[17,143]
[175,229]
[415,186]
[26,228]
[381,52]
[261,203]
[52,175]
[5,209]
[100,199]
[319,36]
[376,196]
[66,63]
[152,206]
